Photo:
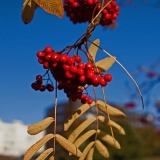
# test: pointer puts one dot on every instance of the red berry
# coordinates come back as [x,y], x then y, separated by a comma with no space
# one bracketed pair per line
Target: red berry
[108,77]
[63,58]
[80,71]
[89,66]
[40,54]
[114,15]
[83,99]
[48,49]
[117,9]
[48,57]
[46,65]
[78,59]
[41,60]
[102,81]
[95,81]
[42,88]
[73,69]
[38,77]
[75,4]
[82,78]
[70,60]
[90,74]
[89,101]
[66,67]
[35,86]
[55,57]
[68,74]
[49,87]
[113,3]
[81,65]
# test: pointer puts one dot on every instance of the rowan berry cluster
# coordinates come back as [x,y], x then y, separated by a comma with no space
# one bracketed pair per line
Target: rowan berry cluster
[81,11]
[39,86]
[71,74]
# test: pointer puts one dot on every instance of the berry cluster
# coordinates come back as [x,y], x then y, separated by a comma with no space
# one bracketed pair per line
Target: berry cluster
[39,86]
[71,74]
[81,11]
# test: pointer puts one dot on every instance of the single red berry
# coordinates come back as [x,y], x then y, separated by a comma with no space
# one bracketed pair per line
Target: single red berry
[70,60]
[90,2]
[108,16]
[81,65]
[90,74]
[95,81]
[40,54]
[102,81]
[80,71]
[97,71]
[68,74]
[108,6]
[38,77]
[41,60]
[49,87]
[55,57]
[89,101]
[82,78]
[113,3]
[54,64]
[42,88]
[75,4]
[116,9]
[78,59]
[46,65]
[108,77]
[88,66]
[48,49]
[104,11]
[114,15]
[83,99]
[48,56]
[66,67]
[35,86]
[73,69]
[63,58]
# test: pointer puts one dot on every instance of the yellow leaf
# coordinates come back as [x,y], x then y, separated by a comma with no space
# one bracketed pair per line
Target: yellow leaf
[101,149]
[112,111]
[93,49]
[28,11]
[108,139]
[45,154]
[80,128]
[40,126]
[86,150]
[105,63]
[90,154]
[34,148]
[52,6]
[77,114]
[51,158]
[84,137]
[69,146]
[116,127]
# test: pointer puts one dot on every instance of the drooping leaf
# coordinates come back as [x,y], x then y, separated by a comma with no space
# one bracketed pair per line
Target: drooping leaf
[84,137]
[108,139]
[112,111]
[93,49]
[116,127]
[28,11]
[77,114]
[86,150]
[105,63]
[80,128]
[69,146]
[101,149]
[52,6]
[90,154]
[40,126]
[34,148]
[45,154]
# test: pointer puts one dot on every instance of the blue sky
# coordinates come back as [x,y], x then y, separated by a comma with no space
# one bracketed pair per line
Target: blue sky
[135,41]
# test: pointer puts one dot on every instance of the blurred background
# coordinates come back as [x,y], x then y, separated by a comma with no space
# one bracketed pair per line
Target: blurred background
[135,41]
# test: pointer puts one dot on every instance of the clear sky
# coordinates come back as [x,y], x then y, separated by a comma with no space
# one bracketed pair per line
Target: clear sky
[135,41]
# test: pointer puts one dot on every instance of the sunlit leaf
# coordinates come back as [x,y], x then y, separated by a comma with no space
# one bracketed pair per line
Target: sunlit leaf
[93,49]
[34,148]
[45,154]
[90,154]
[52,6]
[69,146]
[86,150]
[40,126]
[105,63]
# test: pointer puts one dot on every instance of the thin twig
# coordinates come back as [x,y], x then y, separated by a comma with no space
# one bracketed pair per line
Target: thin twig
[124,70]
